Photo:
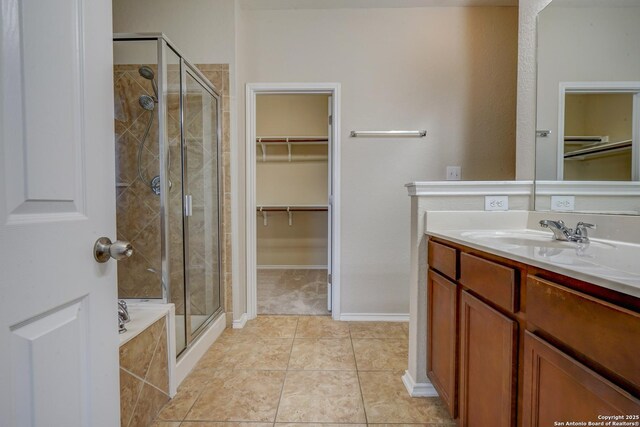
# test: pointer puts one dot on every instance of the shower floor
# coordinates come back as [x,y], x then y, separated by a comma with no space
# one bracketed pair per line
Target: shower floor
[289,291]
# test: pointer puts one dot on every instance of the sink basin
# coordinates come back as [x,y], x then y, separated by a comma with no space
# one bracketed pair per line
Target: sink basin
[529,238]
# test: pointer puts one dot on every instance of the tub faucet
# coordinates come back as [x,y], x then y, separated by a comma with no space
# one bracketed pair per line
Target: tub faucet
[566,234]
[123,316]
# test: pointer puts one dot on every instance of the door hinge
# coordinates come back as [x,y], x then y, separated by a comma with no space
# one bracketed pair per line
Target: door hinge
[329,278]
[330,119]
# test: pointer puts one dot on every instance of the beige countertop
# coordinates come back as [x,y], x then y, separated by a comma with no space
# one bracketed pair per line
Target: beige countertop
[610,264]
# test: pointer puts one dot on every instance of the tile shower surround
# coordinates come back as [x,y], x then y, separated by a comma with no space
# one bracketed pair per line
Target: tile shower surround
[306,369]
[138,208]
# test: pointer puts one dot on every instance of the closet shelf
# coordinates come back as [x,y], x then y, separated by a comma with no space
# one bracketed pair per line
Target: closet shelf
[599,150]
[264,209]
[282,141]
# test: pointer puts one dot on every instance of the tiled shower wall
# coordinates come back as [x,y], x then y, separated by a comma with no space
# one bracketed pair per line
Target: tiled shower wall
[138,209]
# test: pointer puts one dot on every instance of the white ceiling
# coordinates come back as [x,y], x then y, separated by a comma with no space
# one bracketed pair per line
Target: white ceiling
[364,4]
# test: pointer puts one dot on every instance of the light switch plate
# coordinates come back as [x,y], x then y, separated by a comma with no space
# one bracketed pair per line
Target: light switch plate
[496,203]
[563,203]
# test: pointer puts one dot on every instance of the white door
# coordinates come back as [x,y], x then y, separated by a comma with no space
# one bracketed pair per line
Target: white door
[58,317]
[330,209]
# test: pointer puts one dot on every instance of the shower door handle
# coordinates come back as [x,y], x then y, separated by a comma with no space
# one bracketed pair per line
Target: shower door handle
[105,249]
[188,205]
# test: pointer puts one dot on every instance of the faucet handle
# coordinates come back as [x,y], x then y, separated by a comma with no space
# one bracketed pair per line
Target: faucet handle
[581,231]
[584,225]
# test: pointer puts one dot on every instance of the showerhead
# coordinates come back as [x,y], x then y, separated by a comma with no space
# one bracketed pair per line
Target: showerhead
[146,72]
[147,102]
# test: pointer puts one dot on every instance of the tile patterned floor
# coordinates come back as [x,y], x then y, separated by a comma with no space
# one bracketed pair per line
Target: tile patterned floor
[287,371]
[292,292]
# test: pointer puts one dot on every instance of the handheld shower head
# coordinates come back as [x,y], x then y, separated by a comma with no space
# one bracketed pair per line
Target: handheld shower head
[148,74]
[147,102]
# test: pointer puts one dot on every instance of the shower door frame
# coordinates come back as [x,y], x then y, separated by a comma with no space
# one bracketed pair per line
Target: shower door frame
[252,91]
[163,43]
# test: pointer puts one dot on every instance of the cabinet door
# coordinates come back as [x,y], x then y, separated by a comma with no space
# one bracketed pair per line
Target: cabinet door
[487,359]
[559,388]
[442,303]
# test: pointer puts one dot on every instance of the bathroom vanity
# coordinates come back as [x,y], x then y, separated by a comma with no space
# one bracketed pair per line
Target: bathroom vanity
[515,340]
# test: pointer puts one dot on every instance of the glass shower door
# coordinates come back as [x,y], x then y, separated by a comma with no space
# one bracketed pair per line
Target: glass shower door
[200,153]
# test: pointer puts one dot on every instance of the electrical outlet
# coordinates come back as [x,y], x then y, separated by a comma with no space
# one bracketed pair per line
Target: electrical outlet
[563,203]
[453,173]
[496,203]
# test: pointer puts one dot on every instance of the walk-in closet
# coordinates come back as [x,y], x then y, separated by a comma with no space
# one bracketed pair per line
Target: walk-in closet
[292,187]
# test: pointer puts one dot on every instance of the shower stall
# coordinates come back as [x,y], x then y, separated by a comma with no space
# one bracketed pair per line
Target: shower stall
[167,130]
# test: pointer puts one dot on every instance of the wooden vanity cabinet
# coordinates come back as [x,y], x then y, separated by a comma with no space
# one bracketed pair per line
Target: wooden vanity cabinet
[488,345]
[513,345]
[442,345]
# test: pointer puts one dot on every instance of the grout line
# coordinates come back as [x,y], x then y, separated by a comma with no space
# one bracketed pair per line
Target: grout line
[284,381]
[364,408]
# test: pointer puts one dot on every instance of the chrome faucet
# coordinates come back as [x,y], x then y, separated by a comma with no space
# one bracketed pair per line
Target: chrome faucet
[566,234]
[123,316]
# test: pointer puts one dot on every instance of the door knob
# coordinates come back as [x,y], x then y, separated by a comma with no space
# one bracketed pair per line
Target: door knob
[105,249]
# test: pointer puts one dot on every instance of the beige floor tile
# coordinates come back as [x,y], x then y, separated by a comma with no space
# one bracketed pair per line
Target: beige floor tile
[166,424]
[451,424]
[188,392]
[256,353]
[321,396]
[272,326]
[317,425]
[239,396]
[322,354]
[222,424]
[378,330]
[386,401]
[321,327]
[381,354]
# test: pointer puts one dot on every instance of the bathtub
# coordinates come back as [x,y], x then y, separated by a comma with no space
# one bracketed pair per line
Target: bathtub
[145,314]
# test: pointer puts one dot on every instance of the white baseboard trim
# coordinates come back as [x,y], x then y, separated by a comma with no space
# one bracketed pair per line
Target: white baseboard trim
[292,267]
[374,317]
[418,389]
[239,323]
[191,356]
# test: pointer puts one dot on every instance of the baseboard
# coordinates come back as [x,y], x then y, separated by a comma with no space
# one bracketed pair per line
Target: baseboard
[292,267]
[418,389]
[375,317]
[239,323]
[191,356]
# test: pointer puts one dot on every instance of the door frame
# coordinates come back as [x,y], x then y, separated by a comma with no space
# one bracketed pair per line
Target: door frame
[252,91]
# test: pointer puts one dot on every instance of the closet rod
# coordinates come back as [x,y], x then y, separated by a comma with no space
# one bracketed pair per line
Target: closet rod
[282,140]
[600,149]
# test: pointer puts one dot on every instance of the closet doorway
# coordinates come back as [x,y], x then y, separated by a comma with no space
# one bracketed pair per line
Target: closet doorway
[291,184]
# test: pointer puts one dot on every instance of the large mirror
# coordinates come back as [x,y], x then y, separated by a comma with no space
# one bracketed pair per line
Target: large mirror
[588,107]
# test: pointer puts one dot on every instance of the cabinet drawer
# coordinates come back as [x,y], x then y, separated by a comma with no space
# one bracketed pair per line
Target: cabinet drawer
[444,259]
[493,281]
[558,387]
[607,334]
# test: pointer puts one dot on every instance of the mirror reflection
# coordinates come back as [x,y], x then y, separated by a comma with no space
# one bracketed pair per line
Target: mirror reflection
[588,108]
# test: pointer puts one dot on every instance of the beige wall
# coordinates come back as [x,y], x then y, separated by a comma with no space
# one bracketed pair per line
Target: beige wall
[299,182]
[449,70]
